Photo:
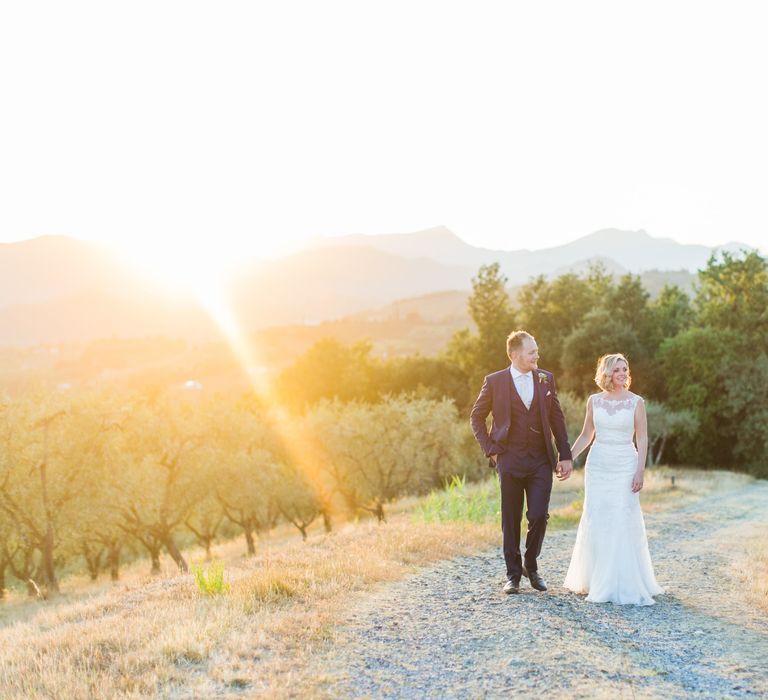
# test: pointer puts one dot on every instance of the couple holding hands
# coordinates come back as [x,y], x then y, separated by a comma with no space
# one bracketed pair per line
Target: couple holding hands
[610,560]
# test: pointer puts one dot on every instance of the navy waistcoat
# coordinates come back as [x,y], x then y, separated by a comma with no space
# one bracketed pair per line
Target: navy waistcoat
[526,445]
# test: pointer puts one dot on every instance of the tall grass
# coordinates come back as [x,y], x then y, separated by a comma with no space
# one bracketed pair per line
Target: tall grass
[481,503]
[478,503]
[751,568]
[211,582]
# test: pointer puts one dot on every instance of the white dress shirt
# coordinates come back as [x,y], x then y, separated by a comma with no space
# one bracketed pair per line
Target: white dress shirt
[524,385]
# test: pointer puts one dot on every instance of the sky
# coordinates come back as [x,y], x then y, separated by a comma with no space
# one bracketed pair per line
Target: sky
[248,127]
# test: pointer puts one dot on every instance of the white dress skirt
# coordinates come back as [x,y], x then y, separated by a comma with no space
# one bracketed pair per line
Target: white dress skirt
[610,560]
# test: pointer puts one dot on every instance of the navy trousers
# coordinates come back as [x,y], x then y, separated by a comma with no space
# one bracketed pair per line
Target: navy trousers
[536,486]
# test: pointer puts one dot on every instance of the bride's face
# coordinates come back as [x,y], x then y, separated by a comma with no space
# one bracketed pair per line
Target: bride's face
[620,374]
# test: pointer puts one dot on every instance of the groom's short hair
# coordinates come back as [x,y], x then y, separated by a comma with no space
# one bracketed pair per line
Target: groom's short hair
[515,341]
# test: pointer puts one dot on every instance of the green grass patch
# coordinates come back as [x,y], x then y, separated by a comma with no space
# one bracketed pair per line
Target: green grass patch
[211,582]
[478,503]
[481,503]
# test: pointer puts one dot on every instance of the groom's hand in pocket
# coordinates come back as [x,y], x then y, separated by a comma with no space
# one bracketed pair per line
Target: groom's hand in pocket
[563,469]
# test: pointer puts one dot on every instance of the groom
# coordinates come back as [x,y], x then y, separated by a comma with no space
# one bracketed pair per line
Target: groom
[526,413]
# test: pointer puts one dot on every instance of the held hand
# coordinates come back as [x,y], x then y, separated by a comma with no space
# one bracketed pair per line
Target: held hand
[637,481]
[564,469]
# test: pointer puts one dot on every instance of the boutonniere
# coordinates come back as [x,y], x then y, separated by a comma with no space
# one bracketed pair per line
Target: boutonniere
[542,378]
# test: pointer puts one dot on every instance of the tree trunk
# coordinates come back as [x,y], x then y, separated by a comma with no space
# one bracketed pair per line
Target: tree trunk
[25,571]
[113,560]
[173,550]
[92,561]
[154,553]
[2,581]
[49,568]
[303,530]
[327,524]
[249,540]
[208,548]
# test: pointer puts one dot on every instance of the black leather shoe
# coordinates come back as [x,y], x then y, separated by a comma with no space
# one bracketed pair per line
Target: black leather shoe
[535,580]
[512,585]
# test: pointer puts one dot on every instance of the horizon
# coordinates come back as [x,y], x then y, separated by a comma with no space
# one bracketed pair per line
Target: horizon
[306,244]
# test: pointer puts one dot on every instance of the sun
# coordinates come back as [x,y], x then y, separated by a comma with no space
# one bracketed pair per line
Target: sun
[182,271]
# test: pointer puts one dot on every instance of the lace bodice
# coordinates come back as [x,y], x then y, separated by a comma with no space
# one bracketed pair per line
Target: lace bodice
[614,420]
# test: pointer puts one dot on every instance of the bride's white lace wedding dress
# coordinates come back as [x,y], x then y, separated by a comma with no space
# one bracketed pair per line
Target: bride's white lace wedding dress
[610,560]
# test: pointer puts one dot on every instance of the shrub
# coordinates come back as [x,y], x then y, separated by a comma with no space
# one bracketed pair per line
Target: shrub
[211,582]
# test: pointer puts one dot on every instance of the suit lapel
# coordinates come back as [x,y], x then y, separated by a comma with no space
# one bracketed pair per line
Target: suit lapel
[539,387]
[512,391]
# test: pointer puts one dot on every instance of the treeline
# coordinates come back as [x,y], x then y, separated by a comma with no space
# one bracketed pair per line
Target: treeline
[85,477]
[701,361]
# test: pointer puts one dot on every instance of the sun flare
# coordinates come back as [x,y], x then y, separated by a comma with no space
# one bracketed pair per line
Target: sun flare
[203,276]
[189,270]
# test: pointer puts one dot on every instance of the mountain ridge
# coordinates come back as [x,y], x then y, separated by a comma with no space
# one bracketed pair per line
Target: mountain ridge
[635,250]
[57,288]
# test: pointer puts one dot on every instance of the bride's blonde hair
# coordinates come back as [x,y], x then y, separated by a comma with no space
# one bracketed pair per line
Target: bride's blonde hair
[604,372]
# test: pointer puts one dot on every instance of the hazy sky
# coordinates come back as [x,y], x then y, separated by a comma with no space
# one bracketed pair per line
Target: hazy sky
[256,124]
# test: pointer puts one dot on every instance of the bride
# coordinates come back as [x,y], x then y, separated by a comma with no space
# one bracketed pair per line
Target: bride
[610,560]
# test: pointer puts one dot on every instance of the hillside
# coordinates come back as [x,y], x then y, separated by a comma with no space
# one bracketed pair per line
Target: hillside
[56,289]
[368,608]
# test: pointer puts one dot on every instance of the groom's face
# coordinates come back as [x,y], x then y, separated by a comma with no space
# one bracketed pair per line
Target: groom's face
[527,358]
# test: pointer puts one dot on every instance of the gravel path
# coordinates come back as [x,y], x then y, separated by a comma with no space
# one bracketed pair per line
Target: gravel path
[448,631]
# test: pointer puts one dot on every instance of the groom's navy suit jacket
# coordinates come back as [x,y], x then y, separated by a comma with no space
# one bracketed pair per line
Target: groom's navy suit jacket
[499,397]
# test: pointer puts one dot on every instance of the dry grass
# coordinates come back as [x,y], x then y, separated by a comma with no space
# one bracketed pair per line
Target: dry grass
[752,570]
[147,637]
[161,638]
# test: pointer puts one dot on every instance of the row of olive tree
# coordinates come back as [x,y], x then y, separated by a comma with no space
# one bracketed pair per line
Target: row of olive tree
[82,478]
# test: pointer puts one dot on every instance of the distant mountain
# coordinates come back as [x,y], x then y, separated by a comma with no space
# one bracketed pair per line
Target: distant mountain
[333,282]
[438,306]
[437,243]
[633,251]
[55,288]
[54,267]
[637,251]
[61,289]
